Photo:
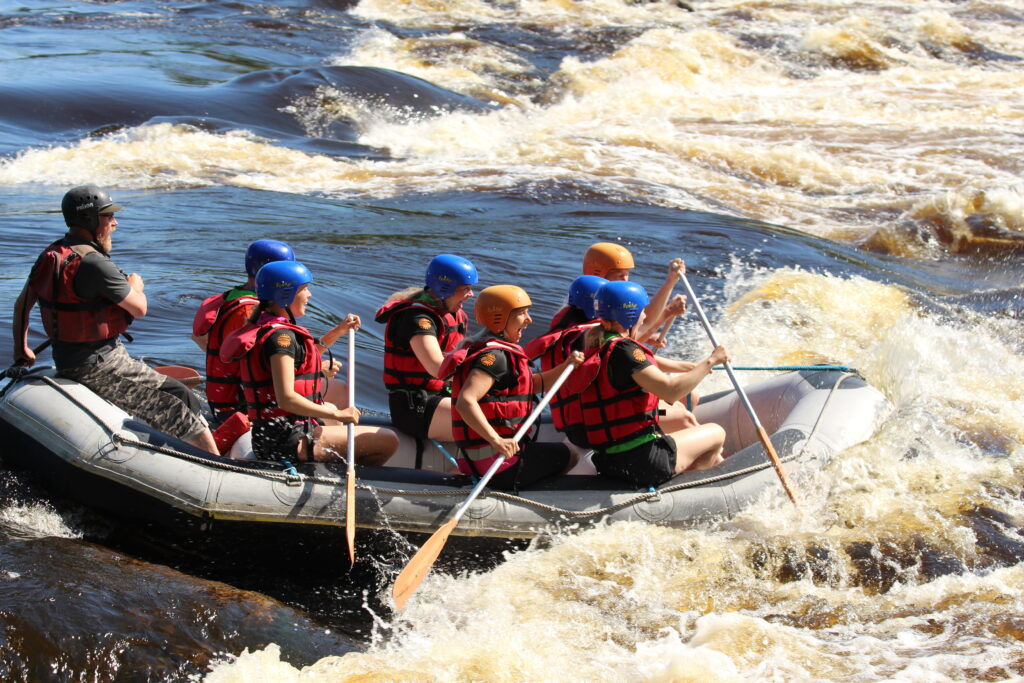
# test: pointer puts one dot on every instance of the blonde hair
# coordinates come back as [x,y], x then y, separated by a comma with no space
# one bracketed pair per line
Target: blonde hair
[407,293]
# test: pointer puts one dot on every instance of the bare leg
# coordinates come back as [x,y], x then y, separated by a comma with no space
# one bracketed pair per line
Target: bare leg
[573,459]
[441,422]
[374,445]
[699,448]
[206,442]
[676,417]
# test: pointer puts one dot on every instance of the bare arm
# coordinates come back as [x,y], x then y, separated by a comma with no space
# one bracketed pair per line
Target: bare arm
[201,341]
[476,387]
[428,352]
[673,365]
[656,307]
[135,303]
[22,308]
[332,335]
[672,389]
[282,367]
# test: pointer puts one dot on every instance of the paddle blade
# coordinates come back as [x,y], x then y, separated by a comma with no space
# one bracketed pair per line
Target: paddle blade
[350,514]
[187,376]
[777,464]
[411,577]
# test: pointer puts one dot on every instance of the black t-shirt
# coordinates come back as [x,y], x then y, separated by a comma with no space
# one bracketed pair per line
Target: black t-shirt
[410,323]
[97,277]
[496,363]
[284,341]
[627,358]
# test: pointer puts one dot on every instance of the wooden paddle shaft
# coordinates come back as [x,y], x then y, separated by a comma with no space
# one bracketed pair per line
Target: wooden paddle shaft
[410,577]
[351,395]
[350,483]
[493,469]
[762,434]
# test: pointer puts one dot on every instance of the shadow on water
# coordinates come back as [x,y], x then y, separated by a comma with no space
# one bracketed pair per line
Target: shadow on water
[134,600]
[95,612]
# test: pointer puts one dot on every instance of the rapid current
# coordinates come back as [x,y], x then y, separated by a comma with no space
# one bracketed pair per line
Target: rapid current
[845,181]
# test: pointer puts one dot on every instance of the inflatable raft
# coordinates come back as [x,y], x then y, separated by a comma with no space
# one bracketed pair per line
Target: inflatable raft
[91,451]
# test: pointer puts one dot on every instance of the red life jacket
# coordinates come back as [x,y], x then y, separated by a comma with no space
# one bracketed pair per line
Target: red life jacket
[215,314]
[402,370]
[68,317]
[245,346]
[552,349]
[611,416]
[505,409]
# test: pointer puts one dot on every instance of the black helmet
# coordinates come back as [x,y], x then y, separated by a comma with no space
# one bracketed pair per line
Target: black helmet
[83,205]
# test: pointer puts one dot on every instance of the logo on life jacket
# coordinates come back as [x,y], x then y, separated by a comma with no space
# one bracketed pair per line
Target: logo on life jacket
[639,356]
[424,324]
[487,359]
[283,340]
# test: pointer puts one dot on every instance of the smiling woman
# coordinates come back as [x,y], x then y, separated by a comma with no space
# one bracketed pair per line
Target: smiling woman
[284,381]
[493,391]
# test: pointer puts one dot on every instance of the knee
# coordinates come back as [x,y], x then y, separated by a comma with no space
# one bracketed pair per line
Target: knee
[715,433]
[378,446]
[390,441]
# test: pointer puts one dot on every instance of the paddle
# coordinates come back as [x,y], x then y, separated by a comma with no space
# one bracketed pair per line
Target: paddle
[350,485]
[411,577]
[762,434]
[187,376]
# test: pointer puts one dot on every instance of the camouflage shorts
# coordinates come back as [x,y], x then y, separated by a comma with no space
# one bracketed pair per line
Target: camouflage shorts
[136,388]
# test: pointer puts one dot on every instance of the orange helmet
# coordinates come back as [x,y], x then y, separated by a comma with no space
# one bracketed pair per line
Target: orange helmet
[495,304]
[605,256]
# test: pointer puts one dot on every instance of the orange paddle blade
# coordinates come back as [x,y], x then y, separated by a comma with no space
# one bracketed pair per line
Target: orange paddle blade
[419,566]
[350,515]
[187,376]
[777,464]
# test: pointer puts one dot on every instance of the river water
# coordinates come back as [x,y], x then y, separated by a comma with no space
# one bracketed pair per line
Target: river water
[844,180]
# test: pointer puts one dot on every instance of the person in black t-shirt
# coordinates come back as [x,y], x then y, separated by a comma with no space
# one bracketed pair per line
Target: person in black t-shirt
[86,303]
[423,325]
[621,389]
[494,391]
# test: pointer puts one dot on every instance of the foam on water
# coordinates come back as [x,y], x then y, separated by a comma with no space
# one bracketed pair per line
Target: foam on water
[892,573]
[917,150]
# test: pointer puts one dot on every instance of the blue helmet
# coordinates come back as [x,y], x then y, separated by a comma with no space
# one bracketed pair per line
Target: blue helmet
[582,291]
[448,272]
[262,252]
[621,302]
[279,281]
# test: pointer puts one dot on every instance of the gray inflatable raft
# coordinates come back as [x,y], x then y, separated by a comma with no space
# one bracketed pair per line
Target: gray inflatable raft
[87,449]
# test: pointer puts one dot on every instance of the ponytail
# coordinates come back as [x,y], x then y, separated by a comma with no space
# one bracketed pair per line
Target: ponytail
[258,311]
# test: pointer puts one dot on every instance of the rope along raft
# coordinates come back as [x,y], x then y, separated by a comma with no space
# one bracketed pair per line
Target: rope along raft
[117,439]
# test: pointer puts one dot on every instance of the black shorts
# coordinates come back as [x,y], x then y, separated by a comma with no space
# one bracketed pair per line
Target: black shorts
[412,411]
[647,465]
[277,439]
[537,460]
